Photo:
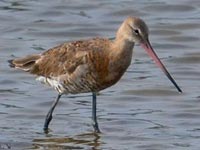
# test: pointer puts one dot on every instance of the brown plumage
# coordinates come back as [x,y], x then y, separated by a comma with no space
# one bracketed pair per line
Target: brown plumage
[92,62]
[89,65]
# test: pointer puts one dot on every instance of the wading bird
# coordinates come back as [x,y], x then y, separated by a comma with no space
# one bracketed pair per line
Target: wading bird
[89,65]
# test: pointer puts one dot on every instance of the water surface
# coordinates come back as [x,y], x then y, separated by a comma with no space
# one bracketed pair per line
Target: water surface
[142,111]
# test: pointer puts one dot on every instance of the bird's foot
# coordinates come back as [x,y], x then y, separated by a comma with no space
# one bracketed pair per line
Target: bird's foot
[46,124]
[46,130]
[96,128]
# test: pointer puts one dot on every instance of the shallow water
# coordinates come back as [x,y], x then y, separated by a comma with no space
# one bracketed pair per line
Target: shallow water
[143,111]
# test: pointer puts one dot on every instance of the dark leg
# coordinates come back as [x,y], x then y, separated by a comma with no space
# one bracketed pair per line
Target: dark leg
[94,114]
[49,115]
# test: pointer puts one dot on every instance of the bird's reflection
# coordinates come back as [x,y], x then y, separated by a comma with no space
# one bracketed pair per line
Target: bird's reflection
[89,141]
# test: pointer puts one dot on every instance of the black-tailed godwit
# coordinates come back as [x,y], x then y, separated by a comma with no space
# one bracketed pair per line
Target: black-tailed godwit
[89,65]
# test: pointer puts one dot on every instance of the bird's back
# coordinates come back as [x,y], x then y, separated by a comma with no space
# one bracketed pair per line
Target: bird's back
[74,67]
[66,57]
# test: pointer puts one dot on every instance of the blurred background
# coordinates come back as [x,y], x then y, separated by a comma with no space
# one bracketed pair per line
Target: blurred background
[142,111]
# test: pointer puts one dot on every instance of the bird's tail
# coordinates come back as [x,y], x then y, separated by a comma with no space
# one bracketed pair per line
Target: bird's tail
[25,63]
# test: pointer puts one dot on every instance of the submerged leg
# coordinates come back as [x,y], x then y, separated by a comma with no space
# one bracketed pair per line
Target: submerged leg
[94,114]
[49,115]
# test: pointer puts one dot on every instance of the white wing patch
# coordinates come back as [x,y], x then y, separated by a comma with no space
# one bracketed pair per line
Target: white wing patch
[52,82]
[77,82]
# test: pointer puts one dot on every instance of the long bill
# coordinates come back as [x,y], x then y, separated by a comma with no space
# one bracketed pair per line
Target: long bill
[147,46]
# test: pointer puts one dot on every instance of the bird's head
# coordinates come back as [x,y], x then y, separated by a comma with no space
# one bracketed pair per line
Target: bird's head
[135,30]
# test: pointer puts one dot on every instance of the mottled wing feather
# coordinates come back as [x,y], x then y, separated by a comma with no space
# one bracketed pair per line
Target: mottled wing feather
[74,67]
[66,58]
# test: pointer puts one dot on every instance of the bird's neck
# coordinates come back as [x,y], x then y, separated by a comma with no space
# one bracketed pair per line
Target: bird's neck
[121,54]
[122,40]
[122,45]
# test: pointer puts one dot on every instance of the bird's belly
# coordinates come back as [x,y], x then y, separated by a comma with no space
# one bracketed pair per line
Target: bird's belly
[90,82]
[70,86]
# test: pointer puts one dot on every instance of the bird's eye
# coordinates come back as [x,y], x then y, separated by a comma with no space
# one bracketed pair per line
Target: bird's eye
[136,31]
